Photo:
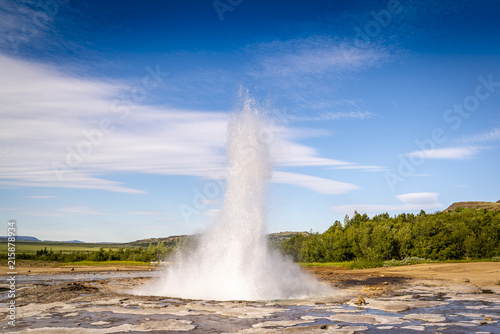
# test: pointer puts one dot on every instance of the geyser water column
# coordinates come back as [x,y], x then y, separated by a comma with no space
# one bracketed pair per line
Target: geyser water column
[232,260]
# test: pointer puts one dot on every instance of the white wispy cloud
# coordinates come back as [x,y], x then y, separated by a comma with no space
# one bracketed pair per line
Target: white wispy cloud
[321,110]
[146,213]
[42,197]
[334,116]
[483,137]
[364,168]
[207,201]
[457,153]
[317,184]
[54,120]
[53,134]
[17,24]
[78,211]
[311,55]
[308,71]
[468,147]
[410,202]
[288,153]
[53,212]
[212,213]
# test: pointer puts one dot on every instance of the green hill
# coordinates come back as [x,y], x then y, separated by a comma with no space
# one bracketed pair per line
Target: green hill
[274,238]
[490,206]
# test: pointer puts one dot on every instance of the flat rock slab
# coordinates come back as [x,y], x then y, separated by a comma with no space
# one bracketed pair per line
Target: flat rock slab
[425,317]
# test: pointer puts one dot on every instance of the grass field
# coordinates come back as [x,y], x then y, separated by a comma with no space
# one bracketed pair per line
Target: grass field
[346,264]
[31,247]
[25,263]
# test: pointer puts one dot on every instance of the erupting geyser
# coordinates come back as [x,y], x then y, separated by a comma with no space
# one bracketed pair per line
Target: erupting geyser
[232,260]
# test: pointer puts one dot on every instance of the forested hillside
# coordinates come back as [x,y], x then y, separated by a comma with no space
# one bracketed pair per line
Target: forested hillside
[463,233]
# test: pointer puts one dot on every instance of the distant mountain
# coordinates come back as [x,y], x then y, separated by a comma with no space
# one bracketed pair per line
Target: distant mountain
[20,238]
[27,238]
[65,242]
[491,206]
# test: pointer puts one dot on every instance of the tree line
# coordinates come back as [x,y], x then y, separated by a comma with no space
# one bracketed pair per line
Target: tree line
[460,234]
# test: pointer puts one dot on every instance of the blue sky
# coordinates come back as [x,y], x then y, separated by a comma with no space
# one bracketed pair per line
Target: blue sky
[113,113]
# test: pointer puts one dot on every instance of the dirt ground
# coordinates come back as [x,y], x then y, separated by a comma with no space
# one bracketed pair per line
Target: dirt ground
[477,273]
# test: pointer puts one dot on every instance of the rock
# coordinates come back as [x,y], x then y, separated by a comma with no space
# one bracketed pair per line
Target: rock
[465,280]
[415,328]
[352,329]
[280,323]
[385,327]
[397,306]
[72,269]
[164,325]
[427,317]
[360,301]
[76,286]
[353,318]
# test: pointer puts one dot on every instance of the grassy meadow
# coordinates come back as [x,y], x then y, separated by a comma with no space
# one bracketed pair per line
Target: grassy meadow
[66,252]
[31,247]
